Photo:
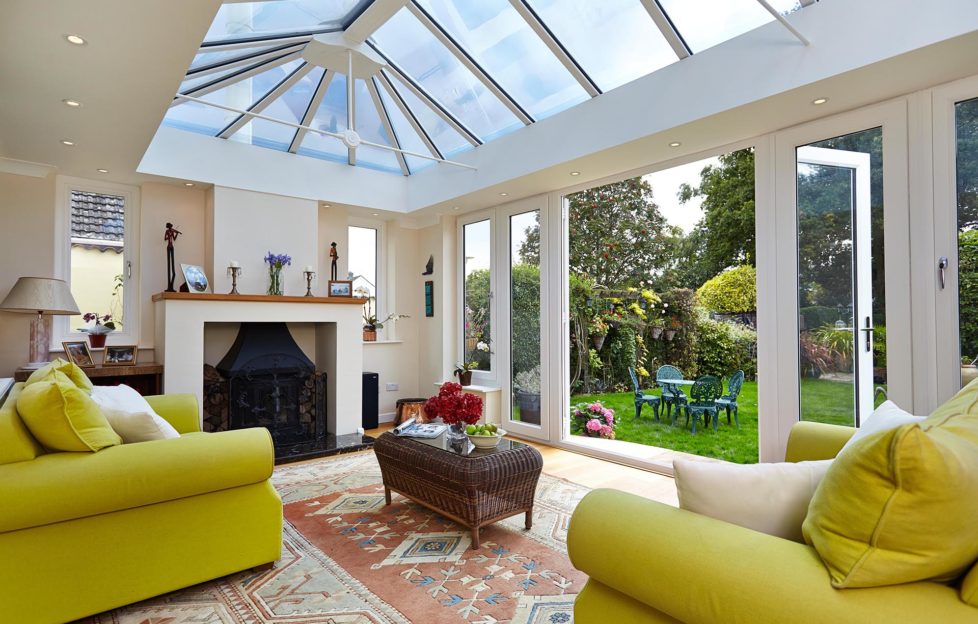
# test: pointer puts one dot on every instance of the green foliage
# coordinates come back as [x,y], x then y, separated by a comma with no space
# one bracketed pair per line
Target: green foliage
[968,291]
[966,131]
[525,317]
[724,347]
[732,291]
[679,305]
[621,351]
[816,316]
[477,326]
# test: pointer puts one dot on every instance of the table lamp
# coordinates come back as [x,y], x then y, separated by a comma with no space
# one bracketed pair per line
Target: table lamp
[40,296]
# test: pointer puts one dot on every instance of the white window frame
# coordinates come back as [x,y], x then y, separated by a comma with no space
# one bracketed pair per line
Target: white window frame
[130,332]
[381,287]
[491,377]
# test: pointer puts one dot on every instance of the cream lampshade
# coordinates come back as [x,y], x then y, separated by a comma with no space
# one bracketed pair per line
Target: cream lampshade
[40,296]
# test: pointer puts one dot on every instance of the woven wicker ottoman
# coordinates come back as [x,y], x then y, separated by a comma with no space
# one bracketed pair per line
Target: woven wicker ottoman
[474,490]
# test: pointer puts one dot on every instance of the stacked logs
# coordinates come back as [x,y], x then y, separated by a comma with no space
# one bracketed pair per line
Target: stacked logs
[215,400]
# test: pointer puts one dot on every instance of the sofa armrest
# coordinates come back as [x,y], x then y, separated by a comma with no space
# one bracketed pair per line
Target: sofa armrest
[810,441]
[697,569]
[180,410]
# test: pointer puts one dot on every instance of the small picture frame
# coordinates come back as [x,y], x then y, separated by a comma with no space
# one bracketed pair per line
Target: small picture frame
[340,288]
[429,298]
[120,355]
[195,277]
[78,353]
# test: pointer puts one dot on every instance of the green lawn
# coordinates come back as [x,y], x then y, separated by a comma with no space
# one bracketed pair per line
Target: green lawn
[825,401]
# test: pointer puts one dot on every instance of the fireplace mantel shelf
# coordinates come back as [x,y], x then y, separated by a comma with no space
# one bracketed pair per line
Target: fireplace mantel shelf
[182,296]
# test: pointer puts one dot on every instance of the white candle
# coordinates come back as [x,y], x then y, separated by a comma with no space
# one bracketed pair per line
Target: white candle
[234,264]
[309,268]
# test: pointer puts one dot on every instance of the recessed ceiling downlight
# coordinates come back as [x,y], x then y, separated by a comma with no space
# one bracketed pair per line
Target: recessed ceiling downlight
[575,173]
[675,144]
[75,39]
[820,101]
[67,142]
[102,170]
[504,194]
[72,103]
[188,183]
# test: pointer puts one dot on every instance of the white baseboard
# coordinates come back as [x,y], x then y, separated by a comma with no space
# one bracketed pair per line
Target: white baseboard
[387,417]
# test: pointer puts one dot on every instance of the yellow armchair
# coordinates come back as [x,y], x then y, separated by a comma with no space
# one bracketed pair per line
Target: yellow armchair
[82,533]
[649,562]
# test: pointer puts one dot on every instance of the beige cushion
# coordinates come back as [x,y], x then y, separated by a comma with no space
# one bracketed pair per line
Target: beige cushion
[886,416]
[130,415]
[769,498]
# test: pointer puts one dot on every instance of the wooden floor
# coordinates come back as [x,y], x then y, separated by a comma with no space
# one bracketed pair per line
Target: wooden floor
[596,473]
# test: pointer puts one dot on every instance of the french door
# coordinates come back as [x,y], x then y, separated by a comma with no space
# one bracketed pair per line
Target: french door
[840,274]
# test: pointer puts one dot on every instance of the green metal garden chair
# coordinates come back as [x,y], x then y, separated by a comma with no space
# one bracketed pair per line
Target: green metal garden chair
[703,401]
[729,400]
[673,397]
[642,398]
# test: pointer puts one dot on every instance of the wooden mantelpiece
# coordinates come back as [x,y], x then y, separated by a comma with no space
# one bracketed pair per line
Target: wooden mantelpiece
[182,296]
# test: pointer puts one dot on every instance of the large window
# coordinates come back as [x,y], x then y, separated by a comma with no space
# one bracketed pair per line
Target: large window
[477,293]
[363,265]
[98,226]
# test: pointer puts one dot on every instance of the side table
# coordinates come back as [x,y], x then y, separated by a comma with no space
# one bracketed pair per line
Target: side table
[146,379]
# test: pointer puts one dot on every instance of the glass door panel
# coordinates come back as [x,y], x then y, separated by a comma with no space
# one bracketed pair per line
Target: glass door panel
[840,277]
[524,291]
[477,295]
[966,170]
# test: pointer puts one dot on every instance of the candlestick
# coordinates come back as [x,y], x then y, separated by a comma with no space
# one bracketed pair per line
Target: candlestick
[233,272]
[309,274]
[235,265]
[309,268]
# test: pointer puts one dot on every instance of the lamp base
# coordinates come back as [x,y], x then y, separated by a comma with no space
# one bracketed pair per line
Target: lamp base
[34,365]
[40,341]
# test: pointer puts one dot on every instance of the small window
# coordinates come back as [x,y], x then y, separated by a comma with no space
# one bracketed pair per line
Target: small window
[363,266]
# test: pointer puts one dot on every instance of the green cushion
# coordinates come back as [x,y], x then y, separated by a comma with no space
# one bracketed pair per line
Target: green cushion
[71,370]
[63,417]
[900,505]
[969,588]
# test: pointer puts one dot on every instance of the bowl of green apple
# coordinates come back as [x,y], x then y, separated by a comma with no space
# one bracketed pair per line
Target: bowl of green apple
[485,436]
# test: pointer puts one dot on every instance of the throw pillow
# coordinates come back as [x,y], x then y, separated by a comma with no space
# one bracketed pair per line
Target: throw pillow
[770,498]
[130,415]
[969,588]
[886,416]
[71,370]
[900,505]
[63,418]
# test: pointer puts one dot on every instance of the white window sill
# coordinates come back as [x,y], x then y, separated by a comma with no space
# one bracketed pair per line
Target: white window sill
[375,342]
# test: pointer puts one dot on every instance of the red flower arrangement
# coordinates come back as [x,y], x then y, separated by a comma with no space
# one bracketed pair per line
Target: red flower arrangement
[454,406]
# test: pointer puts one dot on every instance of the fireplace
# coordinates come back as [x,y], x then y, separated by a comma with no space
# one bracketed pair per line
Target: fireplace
[265,380]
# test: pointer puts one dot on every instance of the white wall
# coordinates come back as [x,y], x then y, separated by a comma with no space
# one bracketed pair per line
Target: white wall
[247,225]
[438,334]
[26,249]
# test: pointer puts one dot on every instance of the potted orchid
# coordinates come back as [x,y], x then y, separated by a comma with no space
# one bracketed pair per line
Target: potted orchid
[593,420]
[97,333]
[464,372]
[276,262]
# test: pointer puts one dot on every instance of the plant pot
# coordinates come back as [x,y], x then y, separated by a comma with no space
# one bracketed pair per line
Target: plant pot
[529,404]
[656,333]
[369,335]
[97,340]
[597,341]
[670,334]
[465,378]
[969,372]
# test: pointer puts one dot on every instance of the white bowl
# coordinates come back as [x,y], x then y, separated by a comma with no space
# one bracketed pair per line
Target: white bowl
[487,441]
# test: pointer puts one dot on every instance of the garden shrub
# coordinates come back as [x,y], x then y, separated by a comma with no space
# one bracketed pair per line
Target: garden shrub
[968,291]
[816,316]
[731,292]
[622,354]
[526,317]
[724,347]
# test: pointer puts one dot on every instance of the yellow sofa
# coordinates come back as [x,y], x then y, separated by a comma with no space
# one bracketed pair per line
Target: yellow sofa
[82,533]
[650,562]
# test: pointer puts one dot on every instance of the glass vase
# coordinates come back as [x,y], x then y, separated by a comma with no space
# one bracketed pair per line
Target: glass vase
[275,280]
[456,431]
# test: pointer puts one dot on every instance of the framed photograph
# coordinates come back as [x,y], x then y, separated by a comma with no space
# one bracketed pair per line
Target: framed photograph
[196,279]
[119,355]
[429,298]
[78,353]
[340,288]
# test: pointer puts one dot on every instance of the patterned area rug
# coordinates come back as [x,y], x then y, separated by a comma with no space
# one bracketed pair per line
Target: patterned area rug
[349,559]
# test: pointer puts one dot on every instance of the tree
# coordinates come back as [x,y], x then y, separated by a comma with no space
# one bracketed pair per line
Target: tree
[724,237]
[733,291]
[618,237]
[966,129]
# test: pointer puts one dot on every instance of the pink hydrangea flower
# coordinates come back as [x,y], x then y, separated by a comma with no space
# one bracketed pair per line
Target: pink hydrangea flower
[596,408]
[593,425]
[606,431]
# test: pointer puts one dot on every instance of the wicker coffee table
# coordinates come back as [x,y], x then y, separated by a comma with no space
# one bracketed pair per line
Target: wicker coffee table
[474,488]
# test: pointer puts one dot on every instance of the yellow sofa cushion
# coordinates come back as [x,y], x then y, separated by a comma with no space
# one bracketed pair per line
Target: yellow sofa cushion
[63,417]
[64,486]
[900,505]
[69,369]
[16,442]
[969,588]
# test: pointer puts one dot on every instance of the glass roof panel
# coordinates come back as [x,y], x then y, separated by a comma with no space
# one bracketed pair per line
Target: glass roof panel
[241,20]
[291,106]
[446,138]
[331,117]
[503,44]
[705,23]
[409,44]
[615,41]
[406,136]
[197,117]
[209,58]
[371,128]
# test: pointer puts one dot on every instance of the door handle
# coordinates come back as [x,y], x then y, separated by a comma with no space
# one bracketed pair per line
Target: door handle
[868,330]
[941,265]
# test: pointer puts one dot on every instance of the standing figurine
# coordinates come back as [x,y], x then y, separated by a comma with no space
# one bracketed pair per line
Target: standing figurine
[334,256]
[171,272]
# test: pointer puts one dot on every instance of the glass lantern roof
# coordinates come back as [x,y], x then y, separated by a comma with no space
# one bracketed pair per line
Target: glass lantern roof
[451,74]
